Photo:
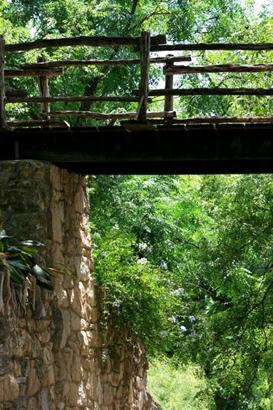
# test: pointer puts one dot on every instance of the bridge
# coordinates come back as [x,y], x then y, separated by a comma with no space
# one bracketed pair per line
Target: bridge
[140,141]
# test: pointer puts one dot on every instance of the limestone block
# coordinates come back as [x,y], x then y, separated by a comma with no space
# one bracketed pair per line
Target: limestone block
[34,384]
[116,378]
[117,405]
[66,327]
[32,404]
[57,226]
[47,356]
[44,399]
[74,345]
[76,370]
[89,363]
[84,269]
[139,382]
[36,348]
[70,393]
[55,176]
[68,281]
[50,376]
[91,296]
[87,313]
[84,343]
[4,360]
[85,325]
[68,361]
[57,254]
[44,337]
[61,368]
[119,392]
[9,388]
[41,325]
[108,394]
[59,278]
[99,393]
[75,301]
[82,397]
[75,322]
[62,299]
[23,343]
[83,291]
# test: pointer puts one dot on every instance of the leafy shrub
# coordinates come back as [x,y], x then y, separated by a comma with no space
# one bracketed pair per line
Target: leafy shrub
[134,292]
[19,270]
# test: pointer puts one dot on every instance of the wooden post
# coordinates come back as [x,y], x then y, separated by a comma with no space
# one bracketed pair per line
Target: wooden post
[145,45]
[44,92]
[3,122]
[169,86]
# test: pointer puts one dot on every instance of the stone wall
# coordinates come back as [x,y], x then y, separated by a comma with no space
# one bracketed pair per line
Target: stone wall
[55,357]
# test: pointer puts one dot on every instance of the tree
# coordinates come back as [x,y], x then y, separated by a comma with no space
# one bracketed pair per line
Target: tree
[210,239]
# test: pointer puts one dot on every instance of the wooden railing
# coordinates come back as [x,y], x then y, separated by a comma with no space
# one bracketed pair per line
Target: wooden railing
[145,44]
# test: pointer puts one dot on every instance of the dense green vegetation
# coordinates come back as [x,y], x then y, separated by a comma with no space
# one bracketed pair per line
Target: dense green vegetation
[177,387]
[184,262]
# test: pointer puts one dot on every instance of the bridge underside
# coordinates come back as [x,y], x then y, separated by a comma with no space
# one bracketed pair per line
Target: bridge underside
[204,149]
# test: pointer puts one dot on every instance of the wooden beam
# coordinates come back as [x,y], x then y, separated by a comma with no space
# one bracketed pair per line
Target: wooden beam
[3,122]
[112,116]
[44,91]
[83,41]
[168,150]
[224,120]
[212,91]
[114,98]
[37,72]
[39,123]
[213,46]
[145,44]
[84,63]
[169,100]
[220,68]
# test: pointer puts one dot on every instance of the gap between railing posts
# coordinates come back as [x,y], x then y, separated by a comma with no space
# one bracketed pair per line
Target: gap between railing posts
[3,122]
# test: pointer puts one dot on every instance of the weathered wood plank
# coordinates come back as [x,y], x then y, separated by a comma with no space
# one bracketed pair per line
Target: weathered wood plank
[44,91]
[112,116]
[39,123]
[79,63]
[37,72]
[212,91]
[114,98]
[213,46]
[83,41]
[145,44]
[3,123]
[219,68]
[169,100]
[224,120]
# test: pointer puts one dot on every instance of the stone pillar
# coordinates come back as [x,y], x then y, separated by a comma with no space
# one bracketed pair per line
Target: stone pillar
[48,357]
[53,358]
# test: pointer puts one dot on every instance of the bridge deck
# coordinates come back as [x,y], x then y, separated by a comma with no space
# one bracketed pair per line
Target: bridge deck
[180,149]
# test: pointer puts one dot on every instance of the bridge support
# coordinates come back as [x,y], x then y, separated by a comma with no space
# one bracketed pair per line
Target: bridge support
[53,358]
